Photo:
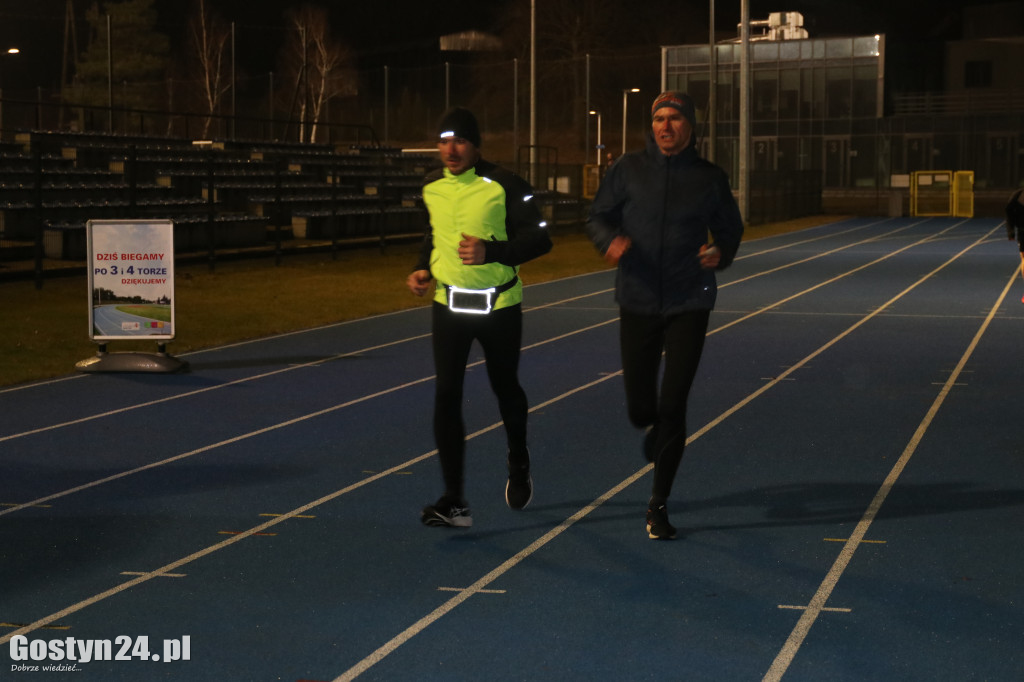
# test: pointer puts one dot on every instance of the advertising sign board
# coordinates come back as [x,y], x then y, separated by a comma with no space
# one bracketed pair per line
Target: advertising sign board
[131,279]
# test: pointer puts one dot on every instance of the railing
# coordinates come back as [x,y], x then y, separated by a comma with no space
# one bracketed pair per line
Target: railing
[221,196]
[987,102]
[19,114]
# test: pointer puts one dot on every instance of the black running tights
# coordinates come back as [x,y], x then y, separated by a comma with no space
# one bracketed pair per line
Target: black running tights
[500,335]
[643,339]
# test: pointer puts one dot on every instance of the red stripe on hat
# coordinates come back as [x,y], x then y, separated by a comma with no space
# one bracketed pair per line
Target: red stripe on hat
[667,100]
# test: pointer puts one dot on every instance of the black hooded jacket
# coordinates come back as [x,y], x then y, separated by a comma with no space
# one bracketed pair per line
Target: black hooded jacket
[1015,217]
[667,206]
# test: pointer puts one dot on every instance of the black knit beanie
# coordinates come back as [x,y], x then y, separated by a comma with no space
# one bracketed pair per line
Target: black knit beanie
[679,101]
[459,122]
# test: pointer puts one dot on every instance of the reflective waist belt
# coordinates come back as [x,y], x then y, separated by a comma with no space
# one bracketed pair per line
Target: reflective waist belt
[475,301]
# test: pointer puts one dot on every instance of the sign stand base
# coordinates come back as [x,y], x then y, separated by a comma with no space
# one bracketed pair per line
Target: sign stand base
[132,362]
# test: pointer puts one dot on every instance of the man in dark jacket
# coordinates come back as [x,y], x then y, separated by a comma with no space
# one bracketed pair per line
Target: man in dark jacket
[482,224]
[1015,224]
[652,216]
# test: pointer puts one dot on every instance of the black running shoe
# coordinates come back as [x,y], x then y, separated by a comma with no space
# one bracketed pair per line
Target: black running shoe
[519,489]
[658,527]
[447,513]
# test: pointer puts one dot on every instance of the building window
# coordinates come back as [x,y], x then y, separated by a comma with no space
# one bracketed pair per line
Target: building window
[865,92]
[978,75]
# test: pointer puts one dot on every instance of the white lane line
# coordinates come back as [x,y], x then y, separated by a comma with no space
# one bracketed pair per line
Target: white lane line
[47,382]
[292,367]
[460,597]
[44,382]
[291,422]
[356,353]
[790,245]
[817,604]
[855,270]
[237,344]
[477,587]
[486,580]
[48,627]
[355,401]
[838,249]
[261,529]
[198,391]
[830,609]
[274,427]
[164,575]
[207,448]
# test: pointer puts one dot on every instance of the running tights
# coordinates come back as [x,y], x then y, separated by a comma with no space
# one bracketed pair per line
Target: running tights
[500,335]
[643,340]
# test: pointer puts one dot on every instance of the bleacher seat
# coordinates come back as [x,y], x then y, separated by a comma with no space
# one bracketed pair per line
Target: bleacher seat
[55,181]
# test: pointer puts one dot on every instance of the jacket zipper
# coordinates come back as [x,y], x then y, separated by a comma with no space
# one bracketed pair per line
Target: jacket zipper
[661,250]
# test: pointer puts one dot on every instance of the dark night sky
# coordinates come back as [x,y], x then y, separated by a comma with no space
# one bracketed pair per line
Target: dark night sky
[382,29]
[37,27]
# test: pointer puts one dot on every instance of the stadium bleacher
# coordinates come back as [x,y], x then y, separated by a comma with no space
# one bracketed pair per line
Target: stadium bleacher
[219,194]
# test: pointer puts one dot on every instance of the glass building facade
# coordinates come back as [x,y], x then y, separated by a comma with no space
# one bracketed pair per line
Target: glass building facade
[820,105]
[815,104]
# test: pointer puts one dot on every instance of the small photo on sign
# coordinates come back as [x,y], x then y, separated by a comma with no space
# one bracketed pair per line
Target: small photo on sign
[131,279]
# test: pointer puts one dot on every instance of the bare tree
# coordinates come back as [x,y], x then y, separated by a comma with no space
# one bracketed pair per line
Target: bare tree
[319,65]
[209,36]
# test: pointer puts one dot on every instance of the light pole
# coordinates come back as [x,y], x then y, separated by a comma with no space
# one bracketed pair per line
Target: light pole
[10,51]
[625,95]
[712,117]
[744,142]
[599,146]
[533,93]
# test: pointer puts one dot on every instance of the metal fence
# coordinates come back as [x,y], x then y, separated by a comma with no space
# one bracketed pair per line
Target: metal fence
[245,199]
[224,198]
[809,167]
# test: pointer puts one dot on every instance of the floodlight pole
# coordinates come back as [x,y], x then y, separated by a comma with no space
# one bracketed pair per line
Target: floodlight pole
[234,84]
[712,117]
[10,51]
[625,96]
[515,107]
[744,151]
[110,79]
[586,126]
[533,92]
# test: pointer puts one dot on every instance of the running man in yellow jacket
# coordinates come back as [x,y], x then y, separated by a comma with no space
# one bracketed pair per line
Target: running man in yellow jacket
[483,224]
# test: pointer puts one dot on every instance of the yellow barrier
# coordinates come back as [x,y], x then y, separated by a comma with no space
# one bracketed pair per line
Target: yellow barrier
[963,194]
[942,193]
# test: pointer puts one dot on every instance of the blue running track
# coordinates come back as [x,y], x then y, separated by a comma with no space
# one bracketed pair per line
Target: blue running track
[850,505]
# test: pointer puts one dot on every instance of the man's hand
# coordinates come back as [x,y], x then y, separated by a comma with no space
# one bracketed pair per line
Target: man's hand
[710,257]
[472,250]
[619,246]
[418,281]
